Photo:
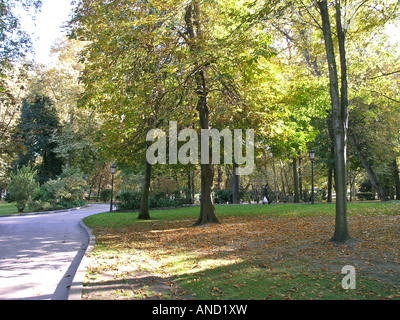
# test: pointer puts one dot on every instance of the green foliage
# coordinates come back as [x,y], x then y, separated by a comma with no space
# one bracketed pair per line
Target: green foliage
[66,191]
[22,186]
[40,205]
[128,200]
[39,122]
[131,200]
[14,42]
[105,195]
[42,194]
[223,196]
[70,186]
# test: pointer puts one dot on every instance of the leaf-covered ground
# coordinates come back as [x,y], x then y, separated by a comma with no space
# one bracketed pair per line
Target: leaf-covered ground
[246,257]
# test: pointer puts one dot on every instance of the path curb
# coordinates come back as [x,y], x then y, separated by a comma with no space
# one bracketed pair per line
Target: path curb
[43,212]
[76,289]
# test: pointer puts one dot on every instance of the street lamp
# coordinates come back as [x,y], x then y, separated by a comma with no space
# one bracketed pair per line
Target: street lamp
[312,157]
[113,170]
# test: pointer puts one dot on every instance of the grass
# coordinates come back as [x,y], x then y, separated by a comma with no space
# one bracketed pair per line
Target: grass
[124,219]
[8,208]
[256,252]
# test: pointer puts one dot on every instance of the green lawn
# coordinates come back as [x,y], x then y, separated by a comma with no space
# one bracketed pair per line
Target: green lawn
[7,208]
[124,219]
[256,252]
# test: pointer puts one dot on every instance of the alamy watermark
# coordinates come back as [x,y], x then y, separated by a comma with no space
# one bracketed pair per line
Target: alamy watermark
[349,280]
[189,152]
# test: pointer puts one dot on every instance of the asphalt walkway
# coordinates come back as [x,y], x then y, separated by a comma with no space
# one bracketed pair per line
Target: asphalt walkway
[41,253]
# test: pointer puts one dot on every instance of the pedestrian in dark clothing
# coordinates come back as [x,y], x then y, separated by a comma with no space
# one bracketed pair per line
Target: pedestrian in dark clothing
[266,199]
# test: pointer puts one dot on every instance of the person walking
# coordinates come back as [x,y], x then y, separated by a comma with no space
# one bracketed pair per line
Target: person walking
[266,199]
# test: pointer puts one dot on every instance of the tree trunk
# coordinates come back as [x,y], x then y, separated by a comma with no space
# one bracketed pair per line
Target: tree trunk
[207,208]
[339,117]
[276,184]
[300,179]
[99,188]
[189,193]
[219,178]
[144,205]
[397,179]
[192,181]
[235,186]
[330,184]
[371,174]
[296,182]
[282,180]
[193,26]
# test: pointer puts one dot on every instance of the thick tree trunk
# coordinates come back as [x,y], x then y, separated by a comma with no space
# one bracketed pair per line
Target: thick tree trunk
[339,118]
[144,205]
[207,208]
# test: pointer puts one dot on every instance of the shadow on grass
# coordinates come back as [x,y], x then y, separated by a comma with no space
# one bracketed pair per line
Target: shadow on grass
[259,257]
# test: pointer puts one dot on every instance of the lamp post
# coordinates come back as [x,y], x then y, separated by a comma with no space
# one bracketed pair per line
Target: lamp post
[113,170]
[312,157]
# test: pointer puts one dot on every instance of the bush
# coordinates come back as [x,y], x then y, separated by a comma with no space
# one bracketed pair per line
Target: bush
[22,186]
[42,194]
[9,198]
[40,205]
[70,204]
[129,200]
[223,196]
[105,195]
[365,196]
[160,200]
[70,186]
[66,191]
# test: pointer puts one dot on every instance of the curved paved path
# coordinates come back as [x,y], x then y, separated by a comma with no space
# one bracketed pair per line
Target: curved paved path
[40,253]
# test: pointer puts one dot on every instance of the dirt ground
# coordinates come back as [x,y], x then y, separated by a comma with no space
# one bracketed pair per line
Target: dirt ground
[139,262]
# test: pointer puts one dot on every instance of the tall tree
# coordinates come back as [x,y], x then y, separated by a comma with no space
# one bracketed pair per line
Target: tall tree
[148,63]
[195,37]
[14,45]
[38,123]
[339,102]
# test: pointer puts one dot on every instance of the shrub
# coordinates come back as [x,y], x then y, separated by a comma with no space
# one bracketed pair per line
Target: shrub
[366,196]
[129,200]
[160,200]
[105,195]
[223,196]
[70,204]
[42,194]
[8,197]
[39,205]
[70,186]
[22,186]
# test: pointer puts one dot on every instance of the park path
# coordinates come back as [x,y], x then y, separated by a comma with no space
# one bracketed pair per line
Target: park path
[40,253]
